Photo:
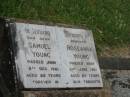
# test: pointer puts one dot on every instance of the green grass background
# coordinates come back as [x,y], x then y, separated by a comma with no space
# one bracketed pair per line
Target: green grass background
[108,19]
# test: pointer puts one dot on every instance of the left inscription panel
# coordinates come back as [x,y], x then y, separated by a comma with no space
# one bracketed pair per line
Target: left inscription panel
[37,55]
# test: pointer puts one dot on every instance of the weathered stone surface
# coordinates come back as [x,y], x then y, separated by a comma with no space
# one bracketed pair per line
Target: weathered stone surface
[116,84]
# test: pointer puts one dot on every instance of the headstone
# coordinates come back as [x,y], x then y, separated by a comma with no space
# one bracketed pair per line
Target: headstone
[55,57]
[63,44]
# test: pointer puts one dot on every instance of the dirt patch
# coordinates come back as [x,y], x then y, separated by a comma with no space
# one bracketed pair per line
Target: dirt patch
[123,52]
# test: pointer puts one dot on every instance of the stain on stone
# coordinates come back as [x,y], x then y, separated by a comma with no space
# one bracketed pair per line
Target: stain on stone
[124,85]
[121,86]
[128,81]
[110,75]
[21,42]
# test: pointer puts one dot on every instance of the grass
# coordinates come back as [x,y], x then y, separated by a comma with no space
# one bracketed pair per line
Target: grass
[108,19]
